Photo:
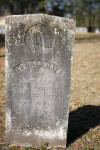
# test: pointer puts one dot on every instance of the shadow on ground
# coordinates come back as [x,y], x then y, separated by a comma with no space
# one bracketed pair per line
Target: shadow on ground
[82,120]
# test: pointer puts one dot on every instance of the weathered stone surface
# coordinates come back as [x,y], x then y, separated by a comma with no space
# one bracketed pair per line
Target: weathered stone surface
[38,73]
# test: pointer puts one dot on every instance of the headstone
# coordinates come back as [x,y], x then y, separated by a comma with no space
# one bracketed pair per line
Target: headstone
[97,30]
[38,75]
[2,29]
[81,30]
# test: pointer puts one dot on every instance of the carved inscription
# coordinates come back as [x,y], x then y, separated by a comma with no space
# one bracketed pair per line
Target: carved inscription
[39,38]
[30,64]
[34,83]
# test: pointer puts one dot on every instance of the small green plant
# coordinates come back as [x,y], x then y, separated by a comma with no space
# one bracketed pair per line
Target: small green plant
[27,148]
[44,146]
[15,147]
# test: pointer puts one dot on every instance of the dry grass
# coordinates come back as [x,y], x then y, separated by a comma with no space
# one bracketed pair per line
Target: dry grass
[85,87]
[85,35]
[84,125]
[85,90]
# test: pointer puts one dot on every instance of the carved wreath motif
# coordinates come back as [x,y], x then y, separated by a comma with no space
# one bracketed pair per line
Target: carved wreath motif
[39,38]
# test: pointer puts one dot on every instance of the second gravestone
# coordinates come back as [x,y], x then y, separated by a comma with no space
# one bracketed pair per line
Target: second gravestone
[38,74]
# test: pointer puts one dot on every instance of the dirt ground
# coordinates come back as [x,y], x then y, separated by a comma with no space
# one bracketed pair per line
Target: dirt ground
[84,117]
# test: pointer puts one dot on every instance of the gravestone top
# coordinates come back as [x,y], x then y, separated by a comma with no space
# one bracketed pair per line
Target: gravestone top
[38,75]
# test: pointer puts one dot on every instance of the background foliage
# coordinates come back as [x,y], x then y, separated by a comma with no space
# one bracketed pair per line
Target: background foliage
[86,12]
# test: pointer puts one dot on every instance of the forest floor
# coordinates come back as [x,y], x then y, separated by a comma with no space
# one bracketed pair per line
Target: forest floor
[84,117]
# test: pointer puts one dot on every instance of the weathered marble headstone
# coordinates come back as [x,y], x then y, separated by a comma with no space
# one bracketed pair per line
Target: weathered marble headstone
[38,74]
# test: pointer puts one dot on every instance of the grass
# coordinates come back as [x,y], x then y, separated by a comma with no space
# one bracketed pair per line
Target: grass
[85,87]
[84,124]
